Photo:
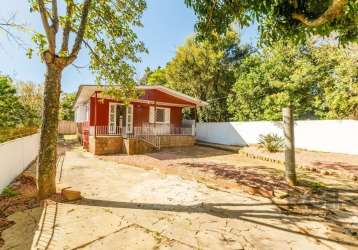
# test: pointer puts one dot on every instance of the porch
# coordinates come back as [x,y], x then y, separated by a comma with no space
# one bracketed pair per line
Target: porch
[103,140]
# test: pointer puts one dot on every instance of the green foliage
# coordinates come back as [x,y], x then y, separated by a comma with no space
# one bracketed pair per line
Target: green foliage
[277,20]
[9,192]
[271,142]
[12,112]
[66,109]
[7,134]
[31,95]
[108,36]
[205,70]
[320,81]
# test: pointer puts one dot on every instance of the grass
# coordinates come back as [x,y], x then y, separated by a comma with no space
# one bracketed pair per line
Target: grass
[9,192]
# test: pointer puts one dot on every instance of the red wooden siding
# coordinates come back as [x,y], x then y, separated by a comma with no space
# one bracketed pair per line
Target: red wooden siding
[140,113]
[159,96]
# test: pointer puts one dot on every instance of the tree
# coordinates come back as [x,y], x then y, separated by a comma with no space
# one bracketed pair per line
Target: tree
[31,95]
[204,69]
[106,29]
[320,81]
[279,20]
[12,112]
[66,110]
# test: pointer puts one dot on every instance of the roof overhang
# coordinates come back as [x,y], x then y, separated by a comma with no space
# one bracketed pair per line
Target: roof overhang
[85,92]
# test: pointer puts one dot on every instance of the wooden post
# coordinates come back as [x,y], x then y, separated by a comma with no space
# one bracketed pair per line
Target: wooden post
[288,129]
[95,115]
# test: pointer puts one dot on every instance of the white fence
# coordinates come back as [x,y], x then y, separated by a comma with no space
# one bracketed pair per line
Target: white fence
[340,136]
[15,157]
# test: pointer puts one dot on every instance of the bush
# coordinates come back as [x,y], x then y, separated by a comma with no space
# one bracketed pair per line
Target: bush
[271,142]
[9,192]
[7,134]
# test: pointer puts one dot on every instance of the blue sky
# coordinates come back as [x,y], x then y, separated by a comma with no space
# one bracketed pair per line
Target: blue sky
[167,23]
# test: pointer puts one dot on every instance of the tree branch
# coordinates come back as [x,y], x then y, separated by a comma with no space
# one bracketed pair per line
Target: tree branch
[67,28]
[334,10]
[81,31]
[49,33]
[55,16]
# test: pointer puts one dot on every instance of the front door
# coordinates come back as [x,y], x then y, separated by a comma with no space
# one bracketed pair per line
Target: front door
[120,118]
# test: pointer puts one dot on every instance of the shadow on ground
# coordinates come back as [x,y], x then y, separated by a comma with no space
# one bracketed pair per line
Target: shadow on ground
[221,210]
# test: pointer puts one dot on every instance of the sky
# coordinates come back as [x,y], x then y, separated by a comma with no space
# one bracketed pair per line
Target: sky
[167,23]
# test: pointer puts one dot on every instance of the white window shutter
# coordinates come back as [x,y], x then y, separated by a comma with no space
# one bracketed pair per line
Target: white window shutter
[167,115]
[151,114]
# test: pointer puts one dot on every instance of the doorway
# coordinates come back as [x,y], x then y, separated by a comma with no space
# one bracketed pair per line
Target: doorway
[120,118]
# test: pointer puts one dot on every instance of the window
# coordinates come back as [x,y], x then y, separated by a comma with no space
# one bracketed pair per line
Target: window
[160,115]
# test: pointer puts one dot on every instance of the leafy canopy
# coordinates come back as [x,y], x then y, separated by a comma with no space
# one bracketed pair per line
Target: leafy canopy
[12,112]
[319,81]
[104,27]
[66,109]
[204,69]
[280,19]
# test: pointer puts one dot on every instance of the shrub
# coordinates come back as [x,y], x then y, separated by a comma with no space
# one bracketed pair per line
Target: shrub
[9,192]
[271,142]
[7,134]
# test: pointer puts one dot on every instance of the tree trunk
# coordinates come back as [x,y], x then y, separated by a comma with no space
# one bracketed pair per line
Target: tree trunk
[288,126]
[46,172]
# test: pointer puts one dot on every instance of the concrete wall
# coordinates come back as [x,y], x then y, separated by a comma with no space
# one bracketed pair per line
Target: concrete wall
[340,136]
[15,157]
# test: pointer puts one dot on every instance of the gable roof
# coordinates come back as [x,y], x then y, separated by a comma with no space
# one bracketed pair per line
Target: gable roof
[86,91]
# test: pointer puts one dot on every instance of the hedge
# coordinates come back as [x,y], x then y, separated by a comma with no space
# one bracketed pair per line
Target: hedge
[7,134]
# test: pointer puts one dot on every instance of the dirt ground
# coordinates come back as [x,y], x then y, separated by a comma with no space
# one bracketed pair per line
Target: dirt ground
[340,164]
[127,207]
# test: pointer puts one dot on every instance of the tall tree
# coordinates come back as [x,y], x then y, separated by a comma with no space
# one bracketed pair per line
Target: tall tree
[31,95]
[204,69]
[319,80]
[279,20]
[66,110]
[13,113]
[106,29]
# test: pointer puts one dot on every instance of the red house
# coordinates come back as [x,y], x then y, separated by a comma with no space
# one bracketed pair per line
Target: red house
[152,121]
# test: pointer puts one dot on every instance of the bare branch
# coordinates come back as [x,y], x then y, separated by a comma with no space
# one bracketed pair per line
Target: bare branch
[334,10]
[67,28]
[7,25]
[81,31]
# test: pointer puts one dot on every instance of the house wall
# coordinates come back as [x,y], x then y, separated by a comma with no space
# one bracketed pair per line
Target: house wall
[140,112]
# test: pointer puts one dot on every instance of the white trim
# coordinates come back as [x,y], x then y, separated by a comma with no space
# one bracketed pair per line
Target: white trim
[176,94]
[166,112]
[163,103]
[131,121]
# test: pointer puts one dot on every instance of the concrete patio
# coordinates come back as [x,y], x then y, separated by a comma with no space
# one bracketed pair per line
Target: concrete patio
[125,207]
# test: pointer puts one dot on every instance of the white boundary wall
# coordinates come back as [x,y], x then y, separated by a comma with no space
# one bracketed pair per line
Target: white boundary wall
[15,157]
[339,136]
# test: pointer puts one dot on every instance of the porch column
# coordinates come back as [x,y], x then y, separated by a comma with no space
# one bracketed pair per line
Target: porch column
[95,115]
[195,119]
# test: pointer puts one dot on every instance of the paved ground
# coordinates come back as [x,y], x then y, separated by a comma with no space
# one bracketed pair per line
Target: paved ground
[125,207]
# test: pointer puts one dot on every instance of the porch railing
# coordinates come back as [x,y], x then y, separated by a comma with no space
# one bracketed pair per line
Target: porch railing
[145,130]
[106,130]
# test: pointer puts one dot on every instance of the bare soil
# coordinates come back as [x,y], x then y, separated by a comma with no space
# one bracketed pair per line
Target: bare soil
[327,163]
